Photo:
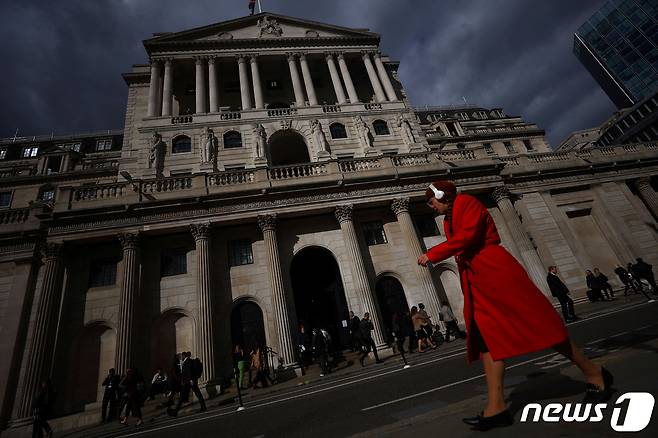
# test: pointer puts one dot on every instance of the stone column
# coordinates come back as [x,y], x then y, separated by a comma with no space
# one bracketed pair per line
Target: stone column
[400,207]
[129,292]
[308,81]
[335,79]
[267,224]
[244,83]
[205,329]
[351,91]
[647,193]
[152,110]
[296,83]
[43,339]
[200,86]
[212,84]
[255,77]
[533,264]
[167,89]
[372,75]
[361,282]
[383,76]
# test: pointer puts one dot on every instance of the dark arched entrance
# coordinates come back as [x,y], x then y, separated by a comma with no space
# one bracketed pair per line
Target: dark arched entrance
[319,295]
[288,147]
[247,328]
[391,299]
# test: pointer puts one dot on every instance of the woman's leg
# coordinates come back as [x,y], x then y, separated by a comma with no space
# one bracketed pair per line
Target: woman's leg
[591,370]
[494,371]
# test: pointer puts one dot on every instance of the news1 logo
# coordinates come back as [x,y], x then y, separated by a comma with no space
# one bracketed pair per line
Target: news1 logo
[630,413]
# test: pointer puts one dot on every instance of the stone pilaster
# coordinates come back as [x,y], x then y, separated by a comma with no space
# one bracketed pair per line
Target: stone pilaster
[255,77]
[200,85]
[372,75]
[383,76]
[533,264]
[267,224]
[343,214]
[349,85]
[152,109]
[43,338]
[296,82]
[129,292]
[167,88]
[205,329]
[212,85]
[335,79]
[648,194]
[245,96]
[400,207]
[308,81]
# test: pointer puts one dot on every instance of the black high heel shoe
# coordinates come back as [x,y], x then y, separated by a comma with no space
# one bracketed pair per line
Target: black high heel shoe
[483,423]
[594,394]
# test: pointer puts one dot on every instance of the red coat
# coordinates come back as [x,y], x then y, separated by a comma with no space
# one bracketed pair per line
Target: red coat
[514,317]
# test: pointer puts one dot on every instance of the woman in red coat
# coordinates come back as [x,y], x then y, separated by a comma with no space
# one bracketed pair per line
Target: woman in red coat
[505,314]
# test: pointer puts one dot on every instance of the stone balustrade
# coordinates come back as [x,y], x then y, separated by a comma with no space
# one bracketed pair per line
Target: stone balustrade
[230,115]
[181,120]
[14,215]
[100,191]
[170,184]
[331,108]
[281,112]
[231,178]
[359,165]
[298,171]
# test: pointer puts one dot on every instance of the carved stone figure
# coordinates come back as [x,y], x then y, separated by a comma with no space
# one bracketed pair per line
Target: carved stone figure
[269,26]
[405,130]
[363,132]
[157,153]
[209,149]
[319,137]
[261,138]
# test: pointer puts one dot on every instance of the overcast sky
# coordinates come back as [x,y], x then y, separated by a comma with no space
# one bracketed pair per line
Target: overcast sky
[63,59]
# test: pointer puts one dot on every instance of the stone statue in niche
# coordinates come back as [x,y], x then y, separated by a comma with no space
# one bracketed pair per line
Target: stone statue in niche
[269,26]
[363,133]
[319,137]
[209,148]
[157,153]
[261,138]
[405,130]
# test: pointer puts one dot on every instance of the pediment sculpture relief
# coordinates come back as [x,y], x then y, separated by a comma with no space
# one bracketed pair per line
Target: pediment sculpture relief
[269,26]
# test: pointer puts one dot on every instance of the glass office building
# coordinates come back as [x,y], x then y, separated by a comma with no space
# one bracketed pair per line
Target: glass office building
[618,44]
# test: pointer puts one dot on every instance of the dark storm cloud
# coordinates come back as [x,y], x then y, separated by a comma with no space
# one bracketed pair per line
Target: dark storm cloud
[63,59]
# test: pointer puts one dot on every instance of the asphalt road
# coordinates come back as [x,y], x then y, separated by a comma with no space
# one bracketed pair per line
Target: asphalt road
[386,394]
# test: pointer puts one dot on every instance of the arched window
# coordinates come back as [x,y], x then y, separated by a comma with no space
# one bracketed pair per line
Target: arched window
[232,139]
[181,144]
[381,127]
[337,130]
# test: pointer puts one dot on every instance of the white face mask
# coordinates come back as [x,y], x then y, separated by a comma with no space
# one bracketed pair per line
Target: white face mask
[438,194]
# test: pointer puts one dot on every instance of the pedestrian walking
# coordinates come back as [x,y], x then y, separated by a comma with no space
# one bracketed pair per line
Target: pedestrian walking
[174,381]
[450,321]
[560,291]
[420,322]
[110,396]
[506,314]
[645,270]
[427,323]
[602,281]
[258,366]
[367,343]
[129,385]
[355,332]
[158,384]
[240,363]
[625,278]
[304,347]
[42,409]
[408,324]
[399,334]
[191,371]
[321,350]
[593,286]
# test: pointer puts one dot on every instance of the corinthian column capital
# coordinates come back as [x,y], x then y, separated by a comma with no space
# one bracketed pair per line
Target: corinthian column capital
[200,231]
[400,205]
[51,250]
[501,193]
[128,240]
[344,212]
[267,222]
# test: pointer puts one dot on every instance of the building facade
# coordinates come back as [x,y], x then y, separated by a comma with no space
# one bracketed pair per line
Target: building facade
[271,172]
[618,45]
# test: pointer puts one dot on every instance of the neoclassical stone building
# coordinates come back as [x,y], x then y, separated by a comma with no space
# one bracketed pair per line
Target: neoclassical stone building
[271,172]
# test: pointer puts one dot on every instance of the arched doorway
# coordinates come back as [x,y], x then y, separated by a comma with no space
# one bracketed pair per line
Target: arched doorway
[174,333]
[247,327]
[288,147]
[93,358]
[391,299]
[319,296]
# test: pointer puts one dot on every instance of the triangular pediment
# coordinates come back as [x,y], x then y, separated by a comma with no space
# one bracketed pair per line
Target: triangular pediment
[265,26]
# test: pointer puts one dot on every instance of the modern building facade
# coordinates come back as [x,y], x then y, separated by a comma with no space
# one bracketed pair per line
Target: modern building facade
[271,172]
[618,45]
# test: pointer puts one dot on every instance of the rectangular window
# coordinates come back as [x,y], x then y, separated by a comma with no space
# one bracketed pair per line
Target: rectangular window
[528,145]
[54,164]
[5,199]
[103,272]
[30,151]
[3,154]
[427,226]
[509,148]
[173,262]
[374,232]
[487,148]
[104,145]
[239,252]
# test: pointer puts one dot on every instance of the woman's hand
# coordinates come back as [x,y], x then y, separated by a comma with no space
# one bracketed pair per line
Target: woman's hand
[423,260]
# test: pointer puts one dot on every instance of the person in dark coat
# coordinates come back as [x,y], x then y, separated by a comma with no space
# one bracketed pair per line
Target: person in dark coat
[399,334]
[43,405]
[625,278]
[560,291]
[110,396]
[506,314]
[645,270]
[602,281]
[130,385]
[174,380]
[321,351]
[355,332]
[367,343]
[189,381]
[593,285]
